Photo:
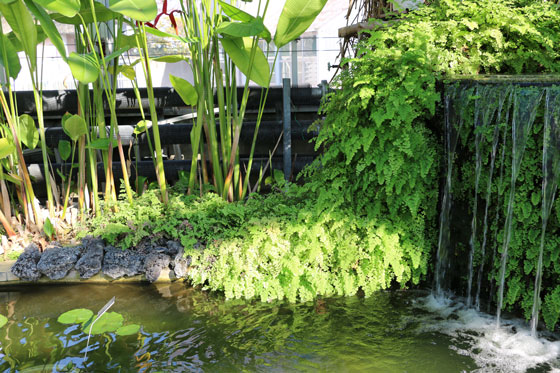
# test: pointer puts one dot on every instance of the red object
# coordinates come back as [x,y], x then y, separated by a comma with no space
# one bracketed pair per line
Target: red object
[169,14]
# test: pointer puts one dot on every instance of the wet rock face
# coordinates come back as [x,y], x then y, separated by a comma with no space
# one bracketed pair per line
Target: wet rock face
[26,265]
[92,257]
[153,265]
[56,262]
[118,263]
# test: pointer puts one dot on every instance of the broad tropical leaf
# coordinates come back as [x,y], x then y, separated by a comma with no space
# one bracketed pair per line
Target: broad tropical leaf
[241,29]
[296,17]
[185,90]
[239,50]
[48,27]
[84,67]
[27,131]
[68,8]
[21,22]
[239,15]
[12,60]
[102,14]
[140,10]
[75,126]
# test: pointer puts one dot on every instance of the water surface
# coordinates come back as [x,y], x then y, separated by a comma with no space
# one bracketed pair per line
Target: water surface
[185,329]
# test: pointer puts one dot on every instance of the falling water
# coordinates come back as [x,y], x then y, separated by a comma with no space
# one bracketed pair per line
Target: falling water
[551,172]
[525,105]
[484,112]
[455,100]
[504,92]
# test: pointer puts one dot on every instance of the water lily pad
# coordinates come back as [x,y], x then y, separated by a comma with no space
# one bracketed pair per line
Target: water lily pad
[108,322]
[128,329]
[75,316]
[3,320]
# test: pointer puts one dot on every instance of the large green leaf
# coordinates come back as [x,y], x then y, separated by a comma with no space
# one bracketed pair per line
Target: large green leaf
[84,67]
[140,10]
[21,22]
[48,26]
[68,8]
[3,320]
[27,131]
[75,316]
[241,29]
[12,60]
[185,90]
[239,50]
[64,149]
[127,70]
[239,15]
[296,17]
[108,322]
[41,36]
[128,330]
[6,148]
[75,126]
[102,14]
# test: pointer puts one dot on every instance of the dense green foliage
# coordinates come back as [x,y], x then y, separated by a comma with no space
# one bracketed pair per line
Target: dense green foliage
[268,247]
[366,215]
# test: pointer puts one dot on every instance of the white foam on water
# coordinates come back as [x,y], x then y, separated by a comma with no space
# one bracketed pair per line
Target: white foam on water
[509,348]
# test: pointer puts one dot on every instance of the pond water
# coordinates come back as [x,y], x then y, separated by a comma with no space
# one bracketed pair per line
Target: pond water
[185,329]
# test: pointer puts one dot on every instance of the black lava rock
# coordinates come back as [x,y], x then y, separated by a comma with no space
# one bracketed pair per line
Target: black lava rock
[92,257]
[26,265]
[56,262]
[118,263]
[153,265]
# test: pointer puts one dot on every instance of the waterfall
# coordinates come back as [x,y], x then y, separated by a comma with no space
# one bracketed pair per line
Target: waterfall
[551,172]
[501,117]
[485,107]
[503,94]
[525,103]
[456,100]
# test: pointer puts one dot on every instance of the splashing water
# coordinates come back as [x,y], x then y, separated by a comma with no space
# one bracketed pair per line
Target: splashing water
[510,348]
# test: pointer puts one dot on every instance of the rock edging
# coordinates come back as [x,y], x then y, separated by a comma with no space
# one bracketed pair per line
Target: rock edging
[92,261]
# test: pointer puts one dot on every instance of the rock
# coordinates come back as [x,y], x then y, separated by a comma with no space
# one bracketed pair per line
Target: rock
[26,265]
[153,265]
[181,264]
[118,262]
[174,248]
[92,257]
[57,261]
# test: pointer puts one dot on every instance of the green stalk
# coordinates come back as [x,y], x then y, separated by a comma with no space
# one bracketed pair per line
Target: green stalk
[22,166]
[40,120]
[153,115]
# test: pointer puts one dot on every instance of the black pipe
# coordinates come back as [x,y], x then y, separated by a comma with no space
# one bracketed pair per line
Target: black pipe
[172,168]
[61,101]
[178,133]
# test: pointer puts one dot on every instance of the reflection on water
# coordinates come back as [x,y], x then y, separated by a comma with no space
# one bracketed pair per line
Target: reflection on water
[185,329]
